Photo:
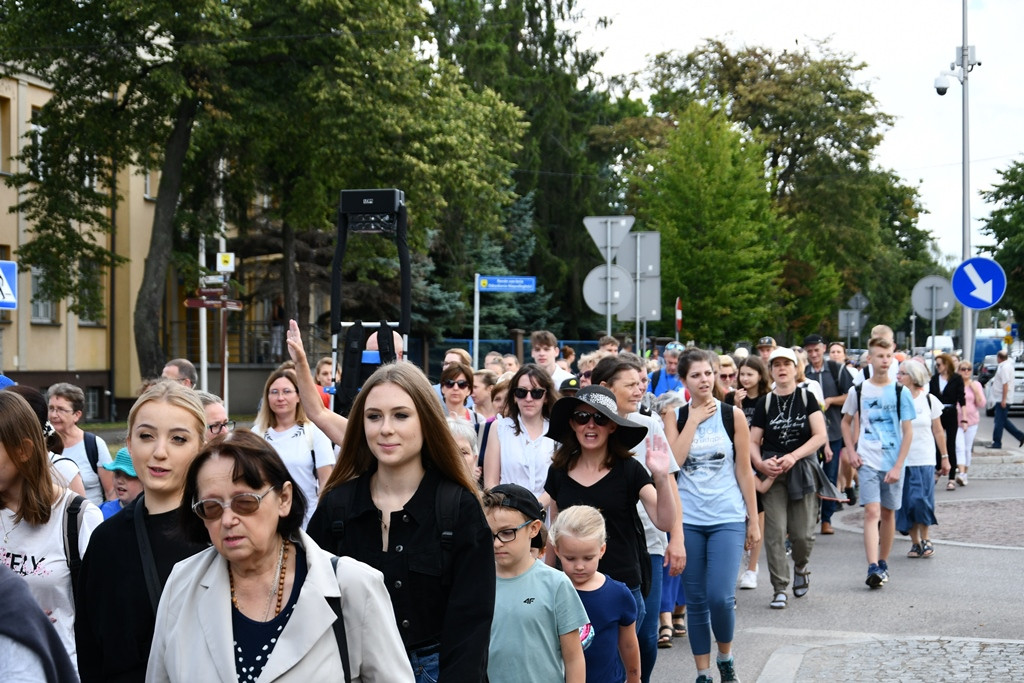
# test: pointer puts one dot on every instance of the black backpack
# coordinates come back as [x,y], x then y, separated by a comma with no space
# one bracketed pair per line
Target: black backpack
[899,391]
[728,420]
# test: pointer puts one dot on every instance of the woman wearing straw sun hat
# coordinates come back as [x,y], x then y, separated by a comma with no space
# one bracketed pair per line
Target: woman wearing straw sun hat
[594,466]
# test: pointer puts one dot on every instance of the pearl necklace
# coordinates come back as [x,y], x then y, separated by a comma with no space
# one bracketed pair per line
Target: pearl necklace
[278,590]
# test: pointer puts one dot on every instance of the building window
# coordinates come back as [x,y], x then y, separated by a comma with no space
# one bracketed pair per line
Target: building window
[5,135]
[92,402]
[43,311]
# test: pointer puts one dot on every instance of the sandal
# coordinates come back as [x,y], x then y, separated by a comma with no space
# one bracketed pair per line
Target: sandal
[779,601]
[915,551]
[927,549]
[951,486]
[801,582]
[679,625]
[665,634]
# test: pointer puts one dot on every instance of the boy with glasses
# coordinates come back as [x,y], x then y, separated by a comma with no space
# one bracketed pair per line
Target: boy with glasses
[537,637]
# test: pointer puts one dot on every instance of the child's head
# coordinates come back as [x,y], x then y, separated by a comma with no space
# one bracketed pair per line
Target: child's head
[578,537]
[514,515]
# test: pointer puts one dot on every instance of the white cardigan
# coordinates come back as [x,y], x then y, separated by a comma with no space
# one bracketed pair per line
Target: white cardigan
[193,636]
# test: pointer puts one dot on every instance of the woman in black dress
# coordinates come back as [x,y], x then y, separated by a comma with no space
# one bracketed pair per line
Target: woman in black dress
[948,386]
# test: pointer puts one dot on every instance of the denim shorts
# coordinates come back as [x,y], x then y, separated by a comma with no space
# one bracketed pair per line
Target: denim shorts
[873,489]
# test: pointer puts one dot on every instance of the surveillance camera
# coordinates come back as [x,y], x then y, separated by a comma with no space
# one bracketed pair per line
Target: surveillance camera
[941,84]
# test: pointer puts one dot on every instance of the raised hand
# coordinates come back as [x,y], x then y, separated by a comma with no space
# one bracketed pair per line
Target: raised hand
[657,456]
[295,349]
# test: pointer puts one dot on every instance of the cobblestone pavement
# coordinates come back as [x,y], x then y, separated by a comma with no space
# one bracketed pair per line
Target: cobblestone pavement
[913,660]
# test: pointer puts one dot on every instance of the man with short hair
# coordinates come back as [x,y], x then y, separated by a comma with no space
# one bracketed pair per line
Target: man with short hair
[1002,392]
[608,343]
[835,385]
[373,345]
[544,350]
[667,378]
[765,346]
[216,415]
[511,362]
[492,362]
[182,371]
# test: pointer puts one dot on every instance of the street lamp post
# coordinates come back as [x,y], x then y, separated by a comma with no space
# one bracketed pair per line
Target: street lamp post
[966,61]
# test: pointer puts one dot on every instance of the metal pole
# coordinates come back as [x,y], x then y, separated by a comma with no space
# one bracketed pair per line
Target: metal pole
[608,275]
[639,343]
[476,320]
[204,363]
[934,316]
[967,337]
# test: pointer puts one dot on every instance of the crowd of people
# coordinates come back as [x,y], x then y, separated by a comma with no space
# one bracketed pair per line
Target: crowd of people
[556,520]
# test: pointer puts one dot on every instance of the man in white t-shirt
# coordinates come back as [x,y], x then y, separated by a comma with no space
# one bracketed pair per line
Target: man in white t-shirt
[544,350]
[1001,390]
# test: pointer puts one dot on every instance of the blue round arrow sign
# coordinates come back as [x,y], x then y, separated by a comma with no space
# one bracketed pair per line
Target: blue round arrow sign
[979,283]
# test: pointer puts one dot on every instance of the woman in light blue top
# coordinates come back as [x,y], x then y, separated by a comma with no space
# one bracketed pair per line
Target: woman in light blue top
[716,486]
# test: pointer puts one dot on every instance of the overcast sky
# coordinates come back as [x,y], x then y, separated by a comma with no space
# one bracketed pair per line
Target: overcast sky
[905,43]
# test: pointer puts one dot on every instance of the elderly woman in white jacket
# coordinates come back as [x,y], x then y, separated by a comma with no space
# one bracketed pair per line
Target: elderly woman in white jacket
[261,604]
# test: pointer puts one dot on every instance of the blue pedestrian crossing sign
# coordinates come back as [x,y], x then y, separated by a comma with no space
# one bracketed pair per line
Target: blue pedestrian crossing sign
[979,283]
[8,285]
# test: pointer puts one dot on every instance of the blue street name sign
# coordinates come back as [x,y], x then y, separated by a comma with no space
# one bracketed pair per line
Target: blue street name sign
[508,283]
[8,285]
[979,283]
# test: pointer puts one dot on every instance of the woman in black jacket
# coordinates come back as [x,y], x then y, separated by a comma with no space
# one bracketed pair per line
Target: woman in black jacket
[948,386]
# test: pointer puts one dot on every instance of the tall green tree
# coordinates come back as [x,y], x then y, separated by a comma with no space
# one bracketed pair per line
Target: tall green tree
[1005,225]
[301,99]
[704,190]
[528,53]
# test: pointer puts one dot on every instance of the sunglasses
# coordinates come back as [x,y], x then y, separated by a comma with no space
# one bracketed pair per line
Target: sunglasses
[461,384]
[674,346]
[242,504]
[586,374]
[582,417]
[536,394]
[727,375]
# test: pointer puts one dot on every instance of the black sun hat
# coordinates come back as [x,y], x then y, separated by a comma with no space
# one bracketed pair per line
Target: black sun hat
[628,433]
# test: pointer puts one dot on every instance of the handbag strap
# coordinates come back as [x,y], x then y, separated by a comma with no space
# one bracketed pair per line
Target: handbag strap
[339,627]
[146,553]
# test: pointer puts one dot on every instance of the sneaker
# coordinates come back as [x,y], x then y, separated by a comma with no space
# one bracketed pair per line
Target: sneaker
[727,669]
[992,444]
[749,580]
[875,577]
[961,478]
[885,570]
[851,495]
[743,563]
[915,551]
[705,679]
[778,602]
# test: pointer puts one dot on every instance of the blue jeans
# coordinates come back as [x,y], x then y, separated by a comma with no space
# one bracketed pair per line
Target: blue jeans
[1003,422]
[641,607]
[713,555]
[648,632]
[832,472]
[426,664]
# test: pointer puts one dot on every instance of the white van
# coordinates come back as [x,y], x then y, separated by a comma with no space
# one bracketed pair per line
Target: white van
[943,344]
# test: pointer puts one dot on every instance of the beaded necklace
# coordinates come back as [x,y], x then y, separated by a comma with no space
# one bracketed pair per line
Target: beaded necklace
[278,590]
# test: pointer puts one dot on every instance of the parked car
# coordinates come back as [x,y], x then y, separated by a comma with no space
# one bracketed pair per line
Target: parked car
[1018,392]
[985,369]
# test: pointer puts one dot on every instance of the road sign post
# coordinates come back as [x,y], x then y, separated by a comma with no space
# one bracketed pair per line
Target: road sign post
[932,298]
[608,233]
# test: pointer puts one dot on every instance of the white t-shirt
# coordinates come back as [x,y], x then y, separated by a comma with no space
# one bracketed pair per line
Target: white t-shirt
[36,552]
[64,469]
[303,448]
[922,448]
[559,375]
[657,540]
[1003,376]
[91,480]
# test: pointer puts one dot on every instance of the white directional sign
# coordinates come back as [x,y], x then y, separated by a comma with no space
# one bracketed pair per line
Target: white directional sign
[8,285]
[979,283]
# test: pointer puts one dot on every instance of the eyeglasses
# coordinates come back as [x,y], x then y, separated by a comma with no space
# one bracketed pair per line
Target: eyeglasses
[727,375]
[59,410]
[281,392]
[509,535]
[536,394]
[461,384]
[582,417]
[221,426]
[242,504]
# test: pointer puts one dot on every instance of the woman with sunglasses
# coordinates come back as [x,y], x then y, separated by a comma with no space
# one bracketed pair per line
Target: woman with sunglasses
[282,421]
[949,387]
[256,606]
[969,415]
[131,554]
[594,466]
[456,386]
[518,450]
[727,373]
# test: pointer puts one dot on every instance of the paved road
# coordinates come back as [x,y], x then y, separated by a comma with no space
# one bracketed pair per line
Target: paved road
[953,617]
